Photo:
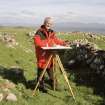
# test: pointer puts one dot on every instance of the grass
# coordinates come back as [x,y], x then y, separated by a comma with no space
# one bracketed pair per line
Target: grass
[27,62]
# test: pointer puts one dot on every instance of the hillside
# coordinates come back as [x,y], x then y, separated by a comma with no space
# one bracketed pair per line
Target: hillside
[18,65]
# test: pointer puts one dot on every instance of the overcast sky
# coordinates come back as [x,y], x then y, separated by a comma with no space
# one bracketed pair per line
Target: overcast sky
[34,11]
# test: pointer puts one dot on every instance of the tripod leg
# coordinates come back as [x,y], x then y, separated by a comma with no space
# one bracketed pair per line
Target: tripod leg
[54,73]
[64,74]
[55,82]
[40,78]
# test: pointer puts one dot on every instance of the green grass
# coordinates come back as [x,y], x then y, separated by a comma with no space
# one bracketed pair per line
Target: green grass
[99,42]
[27,62]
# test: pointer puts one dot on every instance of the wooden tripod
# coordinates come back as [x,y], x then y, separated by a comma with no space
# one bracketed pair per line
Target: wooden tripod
[56,60]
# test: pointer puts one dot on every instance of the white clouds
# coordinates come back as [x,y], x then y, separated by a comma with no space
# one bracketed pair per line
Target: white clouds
[62,10]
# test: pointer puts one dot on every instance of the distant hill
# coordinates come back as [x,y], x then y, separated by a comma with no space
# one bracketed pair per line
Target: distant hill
[89,27]
[65,26]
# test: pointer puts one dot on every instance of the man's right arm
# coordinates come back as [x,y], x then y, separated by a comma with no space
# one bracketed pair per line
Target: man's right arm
[38,41]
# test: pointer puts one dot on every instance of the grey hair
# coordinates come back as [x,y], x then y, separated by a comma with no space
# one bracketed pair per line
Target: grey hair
[47,19]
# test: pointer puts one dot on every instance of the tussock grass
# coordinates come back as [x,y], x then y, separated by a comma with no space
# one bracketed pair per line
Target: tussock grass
[27,62]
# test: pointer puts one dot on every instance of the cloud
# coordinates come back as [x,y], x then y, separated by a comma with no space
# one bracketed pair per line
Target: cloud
[61,10]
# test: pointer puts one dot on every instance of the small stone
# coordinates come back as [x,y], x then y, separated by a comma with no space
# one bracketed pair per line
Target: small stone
[9,84]
[1,96]
[6,90]
[11,97]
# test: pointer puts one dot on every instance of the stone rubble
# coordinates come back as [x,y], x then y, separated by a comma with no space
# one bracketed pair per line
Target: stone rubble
[8,39]
[88,54]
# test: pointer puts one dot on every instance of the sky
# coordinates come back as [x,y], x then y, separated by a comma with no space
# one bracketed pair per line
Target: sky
[32,12]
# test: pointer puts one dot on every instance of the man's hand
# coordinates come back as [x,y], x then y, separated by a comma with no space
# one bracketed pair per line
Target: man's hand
[67,43]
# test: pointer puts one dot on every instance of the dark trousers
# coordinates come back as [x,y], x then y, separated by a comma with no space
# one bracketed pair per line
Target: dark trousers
[50,74]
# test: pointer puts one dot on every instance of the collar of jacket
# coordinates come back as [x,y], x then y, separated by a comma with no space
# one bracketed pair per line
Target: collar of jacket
[47,31]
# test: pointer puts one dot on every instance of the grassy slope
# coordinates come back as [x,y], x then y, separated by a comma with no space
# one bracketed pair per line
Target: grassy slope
[9,57]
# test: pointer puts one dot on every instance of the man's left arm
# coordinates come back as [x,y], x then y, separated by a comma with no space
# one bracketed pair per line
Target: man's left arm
[59,41]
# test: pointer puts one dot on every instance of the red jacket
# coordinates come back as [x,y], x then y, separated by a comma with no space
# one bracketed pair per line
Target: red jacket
[42,38]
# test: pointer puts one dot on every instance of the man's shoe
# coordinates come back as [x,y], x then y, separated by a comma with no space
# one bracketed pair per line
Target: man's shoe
[42,89]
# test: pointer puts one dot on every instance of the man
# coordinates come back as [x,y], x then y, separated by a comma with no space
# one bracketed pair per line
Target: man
[45,36]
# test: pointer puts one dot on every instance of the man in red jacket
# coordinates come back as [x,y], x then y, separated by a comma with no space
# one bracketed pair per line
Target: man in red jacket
[45,36]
